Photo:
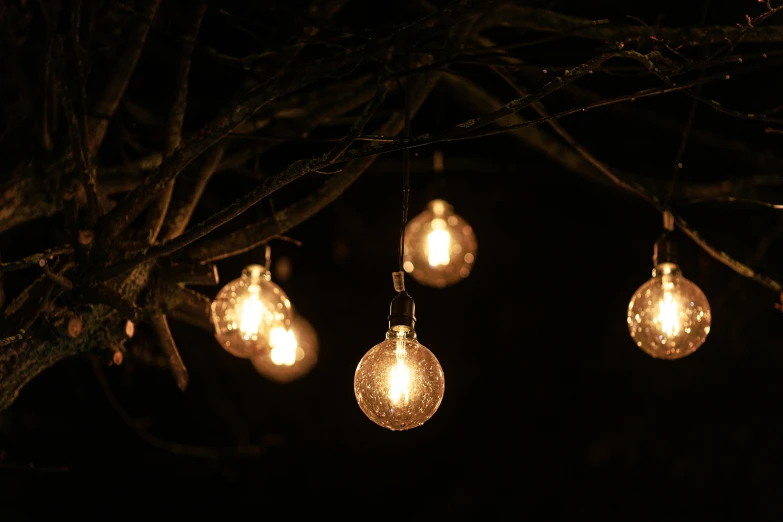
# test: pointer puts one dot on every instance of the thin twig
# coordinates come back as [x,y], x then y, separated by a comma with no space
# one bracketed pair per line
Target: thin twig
[160,206]
[35,259]
[187,193]
[113,91]
[291,173]
[55,277]
[257,234]
[717,254]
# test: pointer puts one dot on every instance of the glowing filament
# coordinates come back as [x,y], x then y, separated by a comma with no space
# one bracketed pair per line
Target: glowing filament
[668,315]
[284,346]
[439,243]
[400,377]
[251,315]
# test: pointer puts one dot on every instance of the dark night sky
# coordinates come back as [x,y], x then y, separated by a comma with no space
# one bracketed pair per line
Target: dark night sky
[550,411]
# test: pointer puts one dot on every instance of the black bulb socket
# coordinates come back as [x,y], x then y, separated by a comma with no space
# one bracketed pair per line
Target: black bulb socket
[665,250]
[402,311]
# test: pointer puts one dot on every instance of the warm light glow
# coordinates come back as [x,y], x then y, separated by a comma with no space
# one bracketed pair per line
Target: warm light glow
[400,377]
[669,316]
[293,353]
[438,244]
[284,346]
[440,247]
[247,309]
[399,383]
[252,312]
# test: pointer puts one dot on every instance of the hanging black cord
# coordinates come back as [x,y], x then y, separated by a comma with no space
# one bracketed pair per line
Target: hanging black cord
[406,162]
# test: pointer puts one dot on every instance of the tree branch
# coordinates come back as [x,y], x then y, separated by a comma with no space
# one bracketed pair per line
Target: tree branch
[289,174]
[109,99]
[34,259]
[535,19]
[187,193]
[641,191]
[160,327]
[259,233]
[157,212]
[133,204]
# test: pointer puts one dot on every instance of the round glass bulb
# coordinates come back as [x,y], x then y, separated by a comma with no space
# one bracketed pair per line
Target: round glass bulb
[669,316]
[247,310]
[440,246]
[293,352]
[399,383]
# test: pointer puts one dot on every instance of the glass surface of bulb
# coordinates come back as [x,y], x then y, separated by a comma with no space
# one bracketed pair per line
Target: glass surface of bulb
[440,246]
[399,384]
[247,310]
[293,352]
[669,316]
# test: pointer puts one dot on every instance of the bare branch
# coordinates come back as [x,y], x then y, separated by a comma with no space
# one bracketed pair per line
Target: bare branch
[511,15]
[187,193]
[105,295]
[157,212]
[289,174]
[259,233]
[110,97]
[57,278]
[191,307]
[160,327]
[35,259]
[637,189]
[132,205]
[190,273]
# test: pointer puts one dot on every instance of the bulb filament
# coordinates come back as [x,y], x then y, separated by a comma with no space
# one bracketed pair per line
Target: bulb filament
[252,313]
[284,346]
[400,377]
[439,243]
[668,310]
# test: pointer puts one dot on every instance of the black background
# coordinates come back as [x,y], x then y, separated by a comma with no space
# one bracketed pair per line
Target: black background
[550,411]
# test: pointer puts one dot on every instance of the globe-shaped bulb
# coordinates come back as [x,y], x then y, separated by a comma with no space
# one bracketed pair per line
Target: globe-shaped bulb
[440,246]
[399,383]
[293,352]
[669,316]
[247,310]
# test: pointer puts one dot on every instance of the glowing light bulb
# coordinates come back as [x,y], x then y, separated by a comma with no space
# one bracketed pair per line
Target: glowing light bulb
[247,310]
[293,353]
[669,316]
[399,383]
[440,247]
[438,244]
[284,346]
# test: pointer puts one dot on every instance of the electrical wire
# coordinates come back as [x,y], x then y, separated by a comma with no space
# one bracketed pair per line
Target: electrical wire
[406,166]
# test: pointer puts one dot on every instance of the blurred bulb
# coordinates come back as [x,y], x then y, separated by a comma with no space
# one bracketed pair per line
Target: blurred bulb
[440,247]
[669,316]
[399,383]
[294,352]
[247,310]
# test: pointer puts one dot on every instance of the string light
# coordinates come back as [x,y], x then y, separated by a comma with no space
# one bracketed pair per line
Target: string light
[669,316]
[293,353]
[399,384]
[440,246]
[248,310]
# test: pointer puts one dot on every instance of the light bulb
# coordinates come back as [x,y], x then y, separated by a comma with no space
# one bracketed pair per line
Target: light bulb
[440,247]
[293,352]
[669,316]
[247,310]
[399,383]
